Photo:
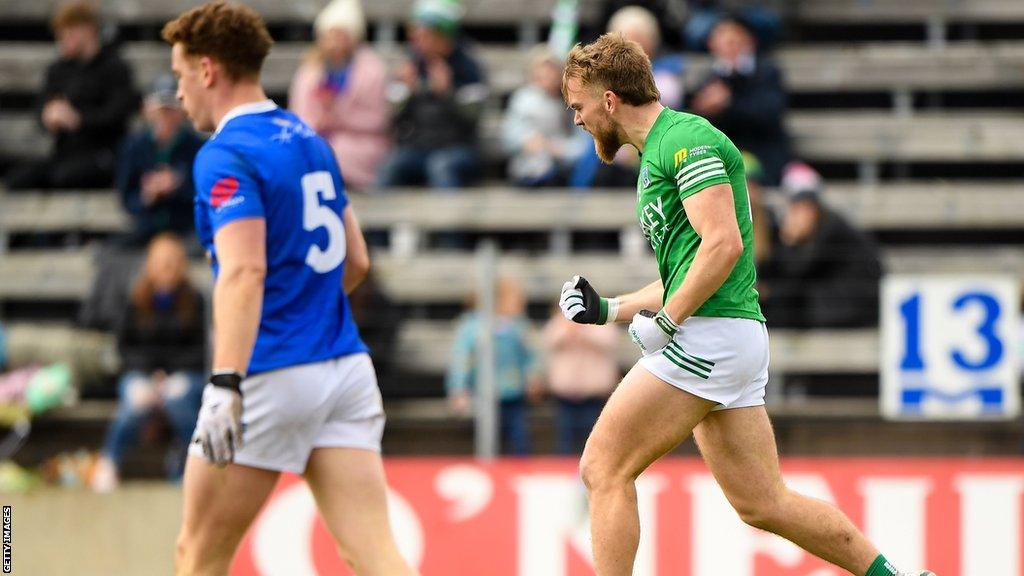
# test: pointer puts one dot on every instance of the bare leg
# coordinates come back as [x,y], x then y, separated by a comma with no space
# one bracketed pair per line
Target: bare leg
[739,448]
[350,491]
[220,504]
[644,419]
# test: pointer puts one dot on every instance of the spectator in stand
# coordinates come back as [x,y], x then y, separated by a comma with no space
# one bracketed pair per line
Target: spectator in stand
[438,99]
[538,132]
[827,271]
[87,100]
[640,25]
[582,371]
[161,340]
[670,15]
[340,91]
[744,97]
[703,15]
[379,320]
[766,224]
[515,366]
[155,172]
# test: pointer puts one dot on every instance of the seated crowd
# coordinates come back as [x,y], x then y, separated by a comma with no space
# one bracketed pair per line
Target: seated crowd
[418,123]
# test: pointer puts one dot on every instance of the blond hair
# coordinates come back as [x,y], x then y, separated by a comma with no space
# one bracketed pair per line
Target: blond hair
[613,63]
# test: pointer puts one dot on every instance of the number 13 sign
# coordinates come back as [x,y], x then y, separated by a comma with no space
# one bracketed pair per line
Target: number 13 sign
[949,347]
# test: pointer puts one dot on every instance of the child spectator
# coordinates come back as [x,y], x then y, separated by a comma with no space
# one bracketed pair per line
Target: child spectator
[514,365]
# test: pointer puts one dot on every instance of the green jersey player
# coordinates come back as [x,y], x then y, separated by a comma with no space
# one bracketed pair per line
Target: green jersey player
[704,363]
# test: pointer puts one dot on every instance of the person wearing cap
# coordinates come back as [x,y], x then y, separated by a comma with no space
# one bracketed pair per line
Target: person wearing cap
[340,91]
[744,96]
[154,175]
[438,99]
[826,271]
[87,101]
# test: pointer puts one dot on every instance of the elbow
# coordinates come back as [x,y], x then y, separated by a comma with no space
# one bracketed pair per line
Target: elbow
[246,273]
[357,268]
[731,247]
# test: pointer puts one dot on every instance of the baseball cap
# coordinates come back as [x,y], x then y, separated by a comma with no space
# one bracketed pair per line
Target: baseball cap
[441,15]
[164,92]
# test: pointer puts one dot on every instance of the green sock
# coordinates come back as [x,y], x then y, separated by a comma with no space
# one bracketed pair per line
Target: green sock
[882,567]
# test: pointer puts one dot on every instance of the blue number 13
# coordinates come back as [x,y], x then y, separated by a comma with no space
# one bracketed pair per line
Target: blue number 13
[911,311]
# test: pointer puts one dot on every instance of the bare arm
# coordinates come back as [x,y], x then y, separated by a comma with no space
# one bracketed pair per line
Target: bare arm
[357,259]
[238,292]
[712,213]
[647,298]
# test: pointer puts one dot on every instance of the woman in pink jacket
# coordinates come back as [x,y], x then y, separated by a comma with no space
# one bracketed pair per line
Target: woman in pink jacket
[339,92]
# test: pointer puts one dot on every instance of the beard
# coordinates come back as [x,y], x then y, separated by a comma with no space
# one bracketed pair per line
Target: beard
[606,141]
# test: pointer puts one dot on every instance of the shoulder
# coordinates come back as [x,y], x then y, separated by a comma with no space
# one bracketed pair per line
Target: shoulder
[136,140]
[309,71]
[219,156]
[685,134]
[523,96]
[464,62]
[110,60]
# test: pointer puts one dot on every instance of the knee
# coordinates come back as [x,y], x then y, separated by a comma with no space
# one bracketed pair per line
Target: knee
[181,555]
[760,511]
[200,553]
[600,473]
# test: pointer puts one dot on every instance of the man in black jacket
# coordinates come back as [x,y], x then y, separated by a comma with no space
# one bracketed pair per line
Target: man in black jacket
[744,97]
[87,101]
[825,273]
[439,98]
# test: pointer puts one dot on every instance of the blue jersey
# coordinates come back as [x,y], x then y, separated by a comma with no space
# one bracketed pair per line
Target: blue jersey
[263,162]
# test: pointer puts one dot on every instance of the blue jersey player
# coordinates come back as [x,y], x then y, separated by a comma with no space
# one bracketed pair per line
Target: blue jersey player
[292,386]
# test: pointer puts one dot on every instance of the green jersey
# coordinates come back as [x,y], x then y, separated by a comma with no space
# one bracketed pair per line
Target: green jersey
[684,154]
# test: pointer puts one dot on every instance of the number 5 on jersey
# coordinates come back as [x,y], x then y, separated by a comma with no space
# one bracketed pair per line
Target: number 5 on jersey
[317,186]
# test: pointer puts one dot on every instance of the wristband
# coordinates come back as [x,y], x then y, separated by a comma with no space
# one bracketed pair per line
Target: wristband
[608,310]
[229,379]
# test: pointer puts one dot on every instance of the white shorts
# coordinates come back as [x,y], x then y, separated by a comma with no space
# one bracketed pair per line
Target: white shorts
[287,413]
[724,360]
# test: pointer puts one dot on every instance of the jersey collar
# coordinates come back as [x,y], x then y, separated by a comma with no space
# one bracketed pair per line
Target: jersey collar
[242,110]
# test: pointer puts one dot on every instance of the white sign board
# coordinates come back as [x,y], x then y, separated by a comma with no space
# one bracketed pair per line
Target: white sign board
[949,347]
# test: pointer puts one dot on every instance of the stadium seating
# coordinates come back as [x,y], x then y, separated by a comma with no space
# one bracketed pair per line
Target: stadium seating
[891,206]
[891,112]
[879,66]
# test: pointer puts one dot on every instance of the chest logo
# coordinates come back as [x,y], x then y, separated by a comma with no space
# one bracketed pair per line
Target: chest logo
[653,222]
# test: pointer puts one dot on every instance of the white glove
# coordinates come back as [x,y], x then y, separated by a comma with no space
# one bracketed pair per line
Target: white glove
[652,332]
[582,304]
[219,428]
